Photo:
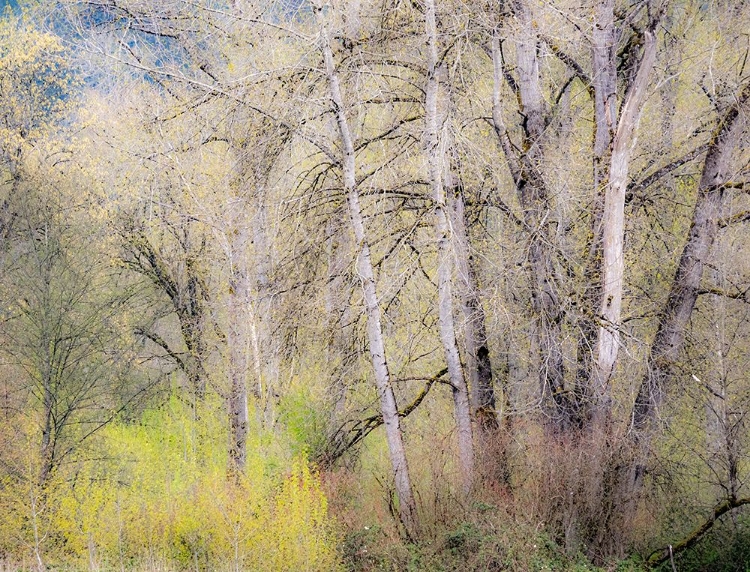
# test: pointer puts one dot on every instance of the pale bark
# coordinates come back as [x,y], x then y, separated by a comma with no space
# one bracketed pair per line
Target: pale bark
[389,408]
[497,115]
[604,79]
[604,84]
[529,85]
[613,223]
[437,166]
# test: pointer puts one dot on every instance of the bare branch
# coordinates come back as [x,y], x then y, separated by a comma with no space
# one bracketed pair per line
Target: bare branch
[344,439]
[725,294]
[663,554]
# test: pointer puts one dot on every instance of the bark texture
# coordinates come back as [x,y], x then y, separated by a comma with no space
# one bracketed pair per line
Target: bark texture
[438,165]
[535,201]
[389,408]
[613,224]
[604,86]
[478,362]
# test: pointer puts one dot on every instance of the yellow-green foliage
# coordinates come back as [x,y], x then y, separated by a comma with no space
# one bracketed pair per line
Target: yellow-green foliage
[37,83]
[164,499]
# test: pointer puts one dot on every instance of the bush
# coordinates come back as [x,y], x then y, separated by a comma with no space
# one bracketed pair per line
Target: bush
[162,499]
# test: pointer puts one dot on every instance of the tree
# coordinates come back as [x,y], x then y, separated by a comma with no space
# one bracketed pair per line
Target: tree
[439,169]
[75,358]
[525,162]
[674,319]
[623,142]
[389,408]
[38,86]
[392,178]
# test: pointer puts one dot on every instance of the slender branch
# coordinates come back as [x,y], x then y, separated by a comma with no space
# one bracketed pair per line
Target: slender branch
[663,554]
[159,341]
[344,440]
[738,185]
[740,217]
[665,170]
[493,200]
[725,294]
[392,129]
[218,90]
[568,60]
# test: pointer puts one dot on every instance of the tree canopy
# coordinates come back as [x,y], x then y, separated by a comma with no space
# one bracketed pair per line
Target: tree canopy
[353,285]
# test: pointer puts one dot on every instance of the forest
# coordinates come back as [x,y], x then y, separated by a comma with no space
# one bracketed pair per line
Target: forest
[358,285]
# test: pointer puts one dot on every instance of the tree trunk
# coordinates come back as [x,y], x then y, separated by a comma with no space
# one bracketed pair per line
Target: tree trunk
[479,365]
[238,304]
[438,166]
[674,319]
[47,453]
[407,504]
[246,234]
[604,80]
[604,56]
[535,201]
[613,227]
[191,310]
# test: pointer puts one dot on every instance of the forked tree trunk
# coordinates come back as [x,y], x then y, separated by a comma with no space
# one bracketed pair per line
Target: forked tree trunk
[407,505]
[604,84]
[535,201]
[437,166]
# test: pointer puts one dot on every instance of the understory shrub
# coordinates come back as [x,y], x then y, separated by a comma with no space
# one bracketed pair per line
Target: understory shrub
[159,497]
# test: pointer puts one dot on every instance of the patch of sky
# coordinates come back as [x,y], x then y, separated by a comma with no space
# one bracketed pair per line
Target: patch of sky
[8,3]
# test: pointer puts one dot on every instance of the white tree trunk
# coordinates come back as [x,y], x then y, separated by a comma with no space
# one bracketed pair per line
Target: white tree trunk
[604,83]
[437,167]
[613,222]
[604,54]
[407,504]
[535,199]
